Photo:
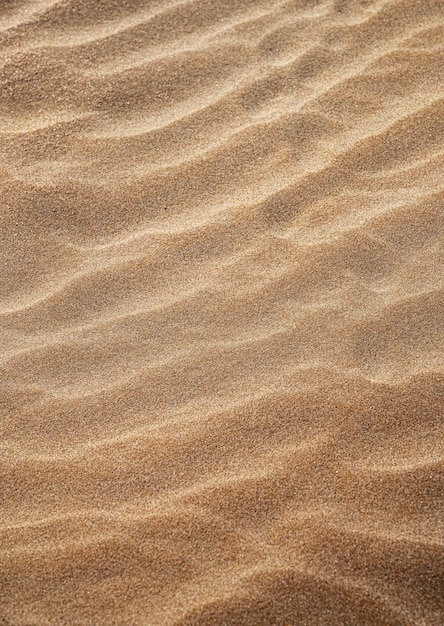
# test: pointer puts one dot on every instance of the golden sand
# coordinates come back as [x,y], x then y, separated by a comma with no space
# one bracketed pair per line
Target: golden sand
[221,316]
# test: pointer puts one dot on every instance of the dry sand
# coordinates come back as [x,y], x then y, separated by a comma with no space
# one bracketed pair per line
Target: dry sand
[221,319]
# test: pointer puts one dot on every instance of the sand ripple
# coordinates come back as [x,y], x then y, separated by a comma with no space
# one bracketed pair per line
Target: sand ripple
[221,314]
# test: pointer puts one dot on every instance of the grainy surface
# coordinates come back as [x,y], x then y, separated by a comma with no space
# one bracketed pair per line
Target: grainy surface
[221,316]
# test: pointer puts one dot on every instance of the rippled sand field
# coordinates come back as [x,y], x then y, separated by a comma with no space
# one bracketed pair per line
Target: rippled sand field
[222,313]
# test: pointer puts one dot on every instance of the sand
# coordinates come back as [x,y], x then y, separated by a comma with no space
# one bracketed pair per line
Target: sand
[221,315]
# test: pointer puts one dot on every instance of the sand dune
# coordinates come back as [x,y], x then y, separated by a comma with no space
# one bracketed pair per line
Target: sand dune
[221,314]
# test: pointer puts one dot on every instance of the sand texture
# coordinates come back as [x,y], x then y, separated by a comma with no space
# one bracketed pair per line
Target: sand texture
[222,313]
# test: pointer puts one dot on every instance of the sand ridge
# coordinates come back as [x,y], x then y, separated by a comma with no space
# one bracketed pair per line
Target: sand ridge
[221,312]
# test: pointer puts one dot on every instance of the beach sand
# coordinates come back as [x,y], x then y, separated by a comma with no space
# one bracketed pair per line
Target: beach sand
[221,314]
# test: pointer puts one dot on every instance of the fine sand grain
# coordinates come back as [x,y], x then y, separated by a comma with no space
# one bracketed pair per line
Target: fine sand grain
[221,314]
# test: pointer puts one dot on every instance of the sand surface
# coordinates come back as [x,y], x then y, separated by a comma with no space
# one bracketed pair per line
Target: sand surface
[221,315]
